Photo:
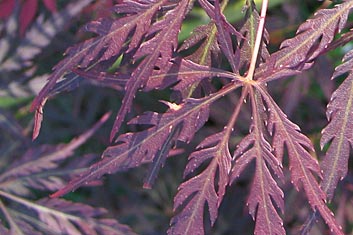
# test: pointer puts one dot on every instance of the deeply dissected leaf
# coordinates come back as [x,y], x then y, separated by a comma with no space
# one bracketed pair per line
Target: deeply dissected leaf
[248,30]
[136,148]
[57,216]
[265,193]
[109,42]
[157,49]
[35,41]
[209,42]
[312,38]
[96,77]
[338,131]
[144,35]
[301,164]
[85,222]
[208,52]
[33,169]
[201,189]
[225,31]
[184,74]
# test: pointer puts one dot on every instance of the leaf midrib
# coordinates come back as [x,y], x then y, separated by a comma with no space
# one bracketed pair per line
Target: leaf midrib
[173,122]
[315,34]
[341,138]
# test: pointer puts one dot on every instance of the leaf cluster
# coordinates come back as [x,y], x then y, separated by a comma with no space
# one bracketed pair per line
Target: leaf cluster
[136,49]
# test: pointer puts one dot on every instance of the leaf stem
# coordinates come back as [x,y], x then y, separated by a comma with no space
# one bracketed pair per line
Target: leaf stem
[236,112]
[258,40]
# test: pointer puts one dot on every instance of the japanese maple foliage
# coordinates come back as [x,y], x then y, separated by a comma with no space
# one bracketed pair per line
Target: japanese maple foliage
[141,36]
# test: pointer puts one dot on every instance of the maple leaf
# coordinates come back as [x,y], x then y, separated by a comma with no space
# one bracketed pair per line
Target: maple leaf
[94,76]
[134,149]
[248,31]
[143,40]
[28,11]
[225,31]
[338,131]
[38,169]
[157,49]
[201,188]
[58,216]
[312,38]
[301,164]
[208,52]
[108,43]
[214,36]
[35,168]
[181,74]
[264,191]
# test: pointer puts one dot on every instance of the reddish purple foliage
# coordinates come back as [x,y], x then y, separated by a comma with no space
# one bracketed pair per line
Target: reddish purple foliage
[144,36]
[28,10]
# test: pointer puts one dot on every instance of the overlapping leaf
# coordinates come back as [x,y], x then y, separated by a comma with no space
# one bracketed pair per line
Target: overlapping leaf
[301,164]
[201,189]
[338,132]
[158,49]
[184,74]
[147,31]
[248,30]
[78,218]
[96,77]
[33,170]
[265,193]
[112,35]
[312,38]
[57,216]
[208,52]
[109,42]
[225,31]
[136,148]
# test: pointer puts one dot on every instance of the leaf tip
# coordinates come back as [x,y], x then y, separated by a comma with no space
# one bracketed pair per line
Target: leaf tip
[62,192]
[38,118]
[147,185]
[56,194]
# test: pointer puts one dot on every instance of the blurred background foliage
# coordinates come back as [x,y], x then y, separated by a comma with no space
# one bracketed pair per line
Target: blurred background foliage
[24,66]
